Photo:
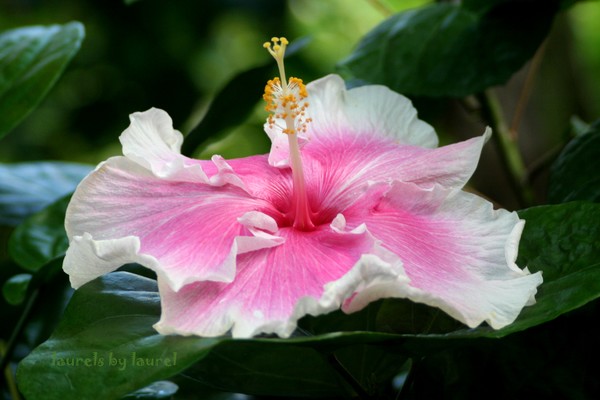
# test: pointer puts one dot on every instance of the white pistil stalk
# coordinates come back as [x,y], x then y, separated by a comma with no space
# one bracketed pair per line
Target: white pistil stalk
[285,101]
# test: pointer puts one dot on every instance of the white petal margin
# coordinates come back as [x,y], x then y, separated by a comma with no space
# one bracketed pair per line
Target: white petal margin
[367,110]
[151,142]
[458,252]
[271,297]
[101,257]
[122,200]
[87,259]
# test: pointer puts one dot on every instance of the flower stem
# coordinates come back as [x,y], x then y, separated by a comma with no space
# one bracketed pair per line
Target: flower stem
[507,147]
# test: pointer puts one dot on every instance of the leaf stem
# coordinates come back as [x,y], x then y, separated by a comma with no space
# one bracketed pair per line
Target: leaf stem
[526,91]
[18,328]
[507,147]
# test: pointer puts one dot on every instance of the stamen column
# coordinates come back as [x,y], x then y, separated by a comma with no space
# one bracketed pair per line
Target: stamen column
[285,102]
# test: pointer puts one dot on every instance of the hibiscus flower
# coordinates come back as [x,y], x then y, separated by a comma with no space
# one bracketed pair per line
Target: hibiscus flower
[353,203]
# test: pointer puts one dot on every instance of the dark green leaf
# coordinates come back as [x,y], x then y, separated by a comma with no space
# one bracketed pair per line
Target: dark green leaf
[483,6]
[107,326]
[574,175]
[41,238]
[405,316]
[561,239]
[31,60]
[415,52]
[15,288]
[371,367]
[26,188]
[277,368]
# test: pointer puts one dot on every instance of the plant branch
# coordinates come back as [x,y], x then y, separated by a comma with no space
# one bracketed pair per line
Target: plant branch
[526,91]
[507,147]
[381,7]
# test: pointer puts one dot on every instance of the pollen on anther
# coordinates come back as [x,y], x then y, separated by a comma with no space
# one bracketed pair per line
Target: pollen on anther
[285,99]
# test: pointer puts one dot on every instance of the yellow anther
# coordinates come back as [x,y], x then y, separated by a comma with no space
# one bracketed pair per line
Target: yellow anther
[285,100]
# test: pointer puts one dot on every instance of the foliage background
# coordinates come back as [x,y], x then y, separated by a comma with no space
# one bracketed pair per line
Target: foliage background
[179,55]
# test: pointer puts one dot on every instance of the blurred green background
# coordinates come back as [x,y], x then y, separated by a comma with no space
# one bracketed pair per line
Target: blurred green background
[177,55]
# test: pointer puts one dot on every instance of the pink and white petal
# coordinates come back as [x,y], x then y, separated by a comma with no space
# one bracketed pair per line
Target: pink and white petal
[261,180]
[191,229]
[458,252]
[341,171]
[371,110]
[151,142]
[312,273]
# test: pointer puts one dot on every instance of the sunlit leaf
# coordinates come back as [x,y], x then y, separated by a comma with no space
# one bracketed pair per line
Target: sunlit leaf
[31,60]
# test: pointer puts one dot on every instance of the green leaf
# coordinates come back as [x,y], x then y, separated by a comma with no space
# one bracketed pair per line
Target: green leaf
[371,367]
[416,51]
[26,188]
[31,61]
[41,238]
[483,6]
[574,175]
[15,288]
[106,326]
